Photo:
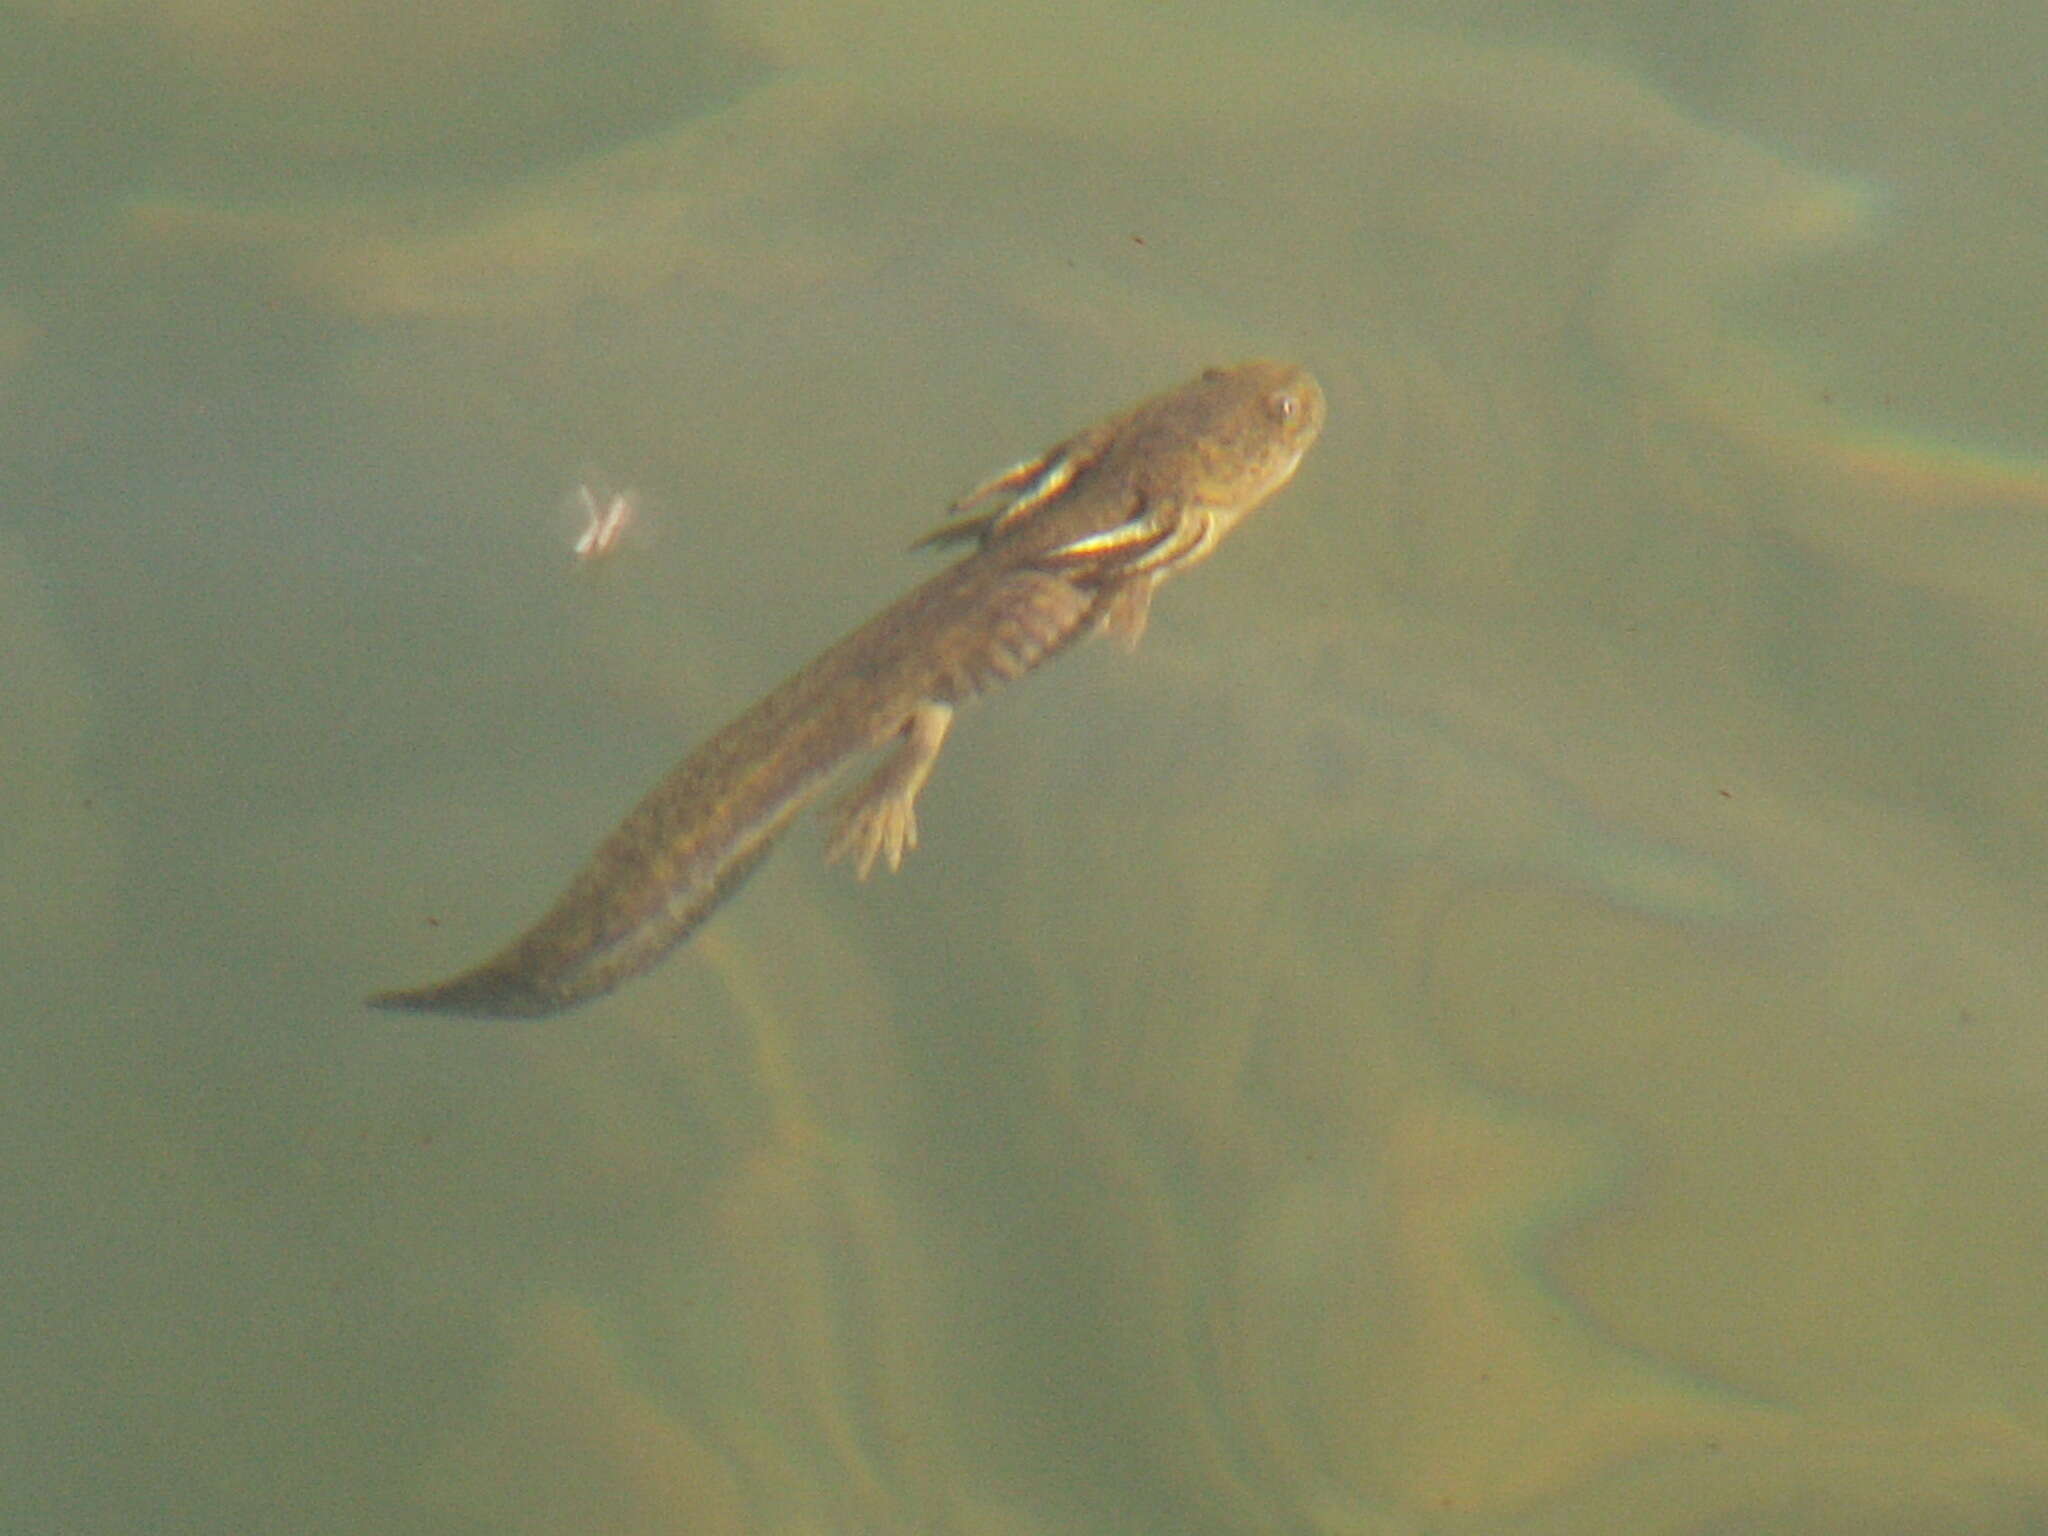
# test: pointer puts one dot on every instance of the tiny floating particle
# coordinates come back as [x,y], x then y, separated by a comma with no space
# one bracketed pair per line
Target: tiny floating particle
[606,518]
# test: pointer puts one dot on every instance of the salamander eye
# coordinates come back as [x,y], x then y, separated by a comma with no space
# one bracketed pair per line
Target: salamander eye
[1287,405]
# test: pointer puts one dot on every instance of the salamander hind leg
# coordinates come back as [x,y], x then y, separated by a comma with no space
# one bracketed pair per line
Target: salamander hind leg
[879,820]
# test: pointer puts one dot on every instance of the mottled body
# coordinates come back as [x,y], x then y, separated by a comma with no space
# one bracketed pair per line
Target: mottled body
[1088,530]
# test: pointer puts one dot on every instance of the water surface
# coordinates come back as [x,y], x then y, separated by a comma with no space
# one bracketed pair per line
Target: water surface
[1516,1010]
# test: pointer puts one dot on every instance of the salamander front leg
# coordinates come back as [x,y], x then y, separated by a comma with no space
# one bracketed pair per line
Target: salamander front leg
[879,820]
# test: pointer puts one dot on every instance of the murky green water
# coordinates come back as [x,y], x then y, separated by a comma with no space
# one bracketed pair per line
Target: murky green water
[1518,1009]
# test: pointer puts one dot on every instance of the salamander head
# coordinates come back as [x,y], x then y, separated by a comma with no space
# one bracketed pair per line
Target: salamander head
[1246,430]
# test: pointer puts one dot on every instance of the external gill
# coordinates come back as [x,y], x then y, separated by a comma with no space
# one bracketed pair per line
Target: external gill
[1035,482]
[1131,558]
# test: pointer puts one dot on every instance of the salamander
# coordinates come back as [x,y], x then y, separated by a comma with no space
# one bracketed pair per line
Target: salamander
[1064,544]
